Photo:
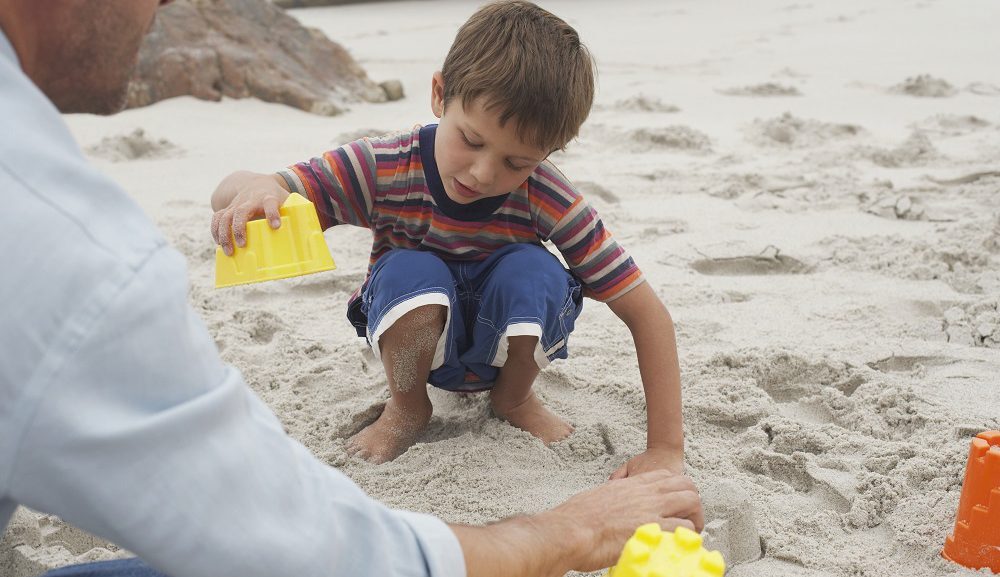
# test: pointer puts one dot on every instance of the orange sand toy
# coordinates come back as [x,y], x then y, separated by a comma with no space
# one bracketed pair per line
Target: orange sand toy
[652,552]
[296,248]
[975,543]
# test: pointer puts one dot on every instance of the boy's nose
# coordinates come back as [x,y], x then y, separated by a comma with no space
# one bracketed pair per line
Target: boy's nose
[483,172]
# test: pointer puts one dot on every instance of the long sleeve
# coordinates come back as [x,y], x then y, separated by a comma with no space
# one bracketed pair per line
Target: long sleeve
[139,433]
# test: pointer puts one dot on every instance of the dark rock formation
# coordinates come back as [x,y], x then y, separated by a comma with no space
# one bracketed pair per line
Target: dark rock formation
[246,48]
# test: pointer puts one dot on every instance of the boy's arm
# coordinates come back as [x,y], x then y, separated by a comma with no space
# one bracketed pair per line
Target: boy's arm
[341,184]
[656,349]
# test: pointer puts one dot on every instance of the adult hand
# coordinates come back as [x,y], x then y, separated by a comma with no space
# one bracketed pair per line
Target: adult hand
[586,533]
[651,460]
[243,196]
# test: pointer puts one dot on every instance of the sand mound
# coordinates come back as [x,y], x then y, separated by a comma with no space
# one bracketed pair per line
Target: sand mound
[924,86]
[642,103]
[680,138]
[917,150]
[766,89]
[790,131]
[952,124]
[954,254]
[974,324]
[133,146]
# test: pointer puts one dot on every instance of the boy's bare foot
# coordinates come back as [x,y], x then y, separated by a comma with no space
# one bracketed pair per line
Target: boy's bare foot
[389,436]
[531,415]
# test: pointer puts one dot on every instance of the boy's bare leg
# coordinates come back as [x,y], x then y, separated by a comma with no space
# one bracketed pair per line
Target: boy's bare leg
[407,353]
[514,401]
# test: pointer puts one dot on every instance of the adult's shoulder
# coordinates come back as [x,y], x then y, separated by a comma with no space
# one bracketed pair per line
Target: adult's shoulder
[60,202]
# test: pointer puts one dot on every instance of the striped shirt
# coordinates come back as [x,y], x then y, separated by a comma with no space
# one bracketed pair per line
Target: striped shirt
[391,185]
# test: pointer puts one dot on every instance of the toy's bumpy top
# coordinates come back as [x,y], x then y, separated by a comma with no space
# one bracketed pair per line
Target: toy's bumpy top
[652,552]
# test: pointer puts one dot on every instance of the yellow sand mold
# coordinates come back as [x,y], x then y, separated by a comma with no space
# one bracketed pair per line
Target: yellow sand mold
[294,249]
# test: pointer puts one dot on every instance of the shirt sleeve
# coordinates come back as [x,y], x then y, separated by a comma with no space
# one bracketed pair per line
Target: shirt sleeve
[341,184]
[140,434]
[564,217]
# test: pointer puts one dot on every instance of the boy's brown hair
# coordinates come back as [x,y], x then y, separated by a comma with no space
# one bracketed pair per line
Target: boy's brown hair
[527,64]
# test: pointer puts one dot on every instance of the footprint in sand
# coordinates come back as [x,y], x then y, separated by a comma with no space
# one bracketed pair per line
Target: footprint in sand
[262,326]
[768,262]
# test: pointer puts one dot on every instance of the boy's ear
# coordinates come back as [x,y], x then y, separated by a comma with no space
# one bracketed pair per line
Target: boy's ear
[437,94]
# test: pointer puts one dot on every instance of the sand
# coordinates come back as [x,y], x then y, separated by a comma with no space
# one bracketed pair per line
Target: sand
[810,188]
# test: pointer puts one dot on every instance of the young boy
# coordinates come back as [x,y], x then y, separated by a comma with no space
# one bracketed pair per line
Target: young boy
[460,292]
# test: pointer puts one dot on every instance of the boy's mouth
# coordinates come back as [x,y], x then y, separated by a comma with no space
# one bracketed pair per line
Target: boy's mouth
[465,191]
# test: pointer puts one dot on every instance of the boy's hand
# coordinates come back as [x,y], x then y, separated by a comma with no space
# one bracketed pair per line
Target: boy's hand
[243,196]
[651,460]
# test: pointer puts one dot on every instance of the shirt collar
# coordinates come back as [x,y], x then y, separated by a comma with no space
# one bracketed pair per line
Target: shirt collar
[473,211]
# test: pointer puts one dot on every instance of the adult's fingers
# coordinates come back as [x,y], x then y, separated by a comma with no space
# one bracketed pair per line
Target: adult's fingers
[685,504]
[674,522]
[620,473]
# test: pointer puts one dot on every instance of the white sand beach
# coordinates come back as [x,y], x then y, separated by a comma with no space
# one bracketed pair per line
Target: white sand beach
[811,188]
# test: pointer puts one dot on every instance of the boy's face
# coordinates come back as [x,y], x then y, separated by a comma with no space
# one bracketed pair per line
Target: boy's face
[478,158]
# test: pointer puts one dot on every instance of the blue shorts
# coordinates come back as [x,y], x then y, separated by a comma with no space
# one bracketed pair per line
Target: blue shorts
[521,289]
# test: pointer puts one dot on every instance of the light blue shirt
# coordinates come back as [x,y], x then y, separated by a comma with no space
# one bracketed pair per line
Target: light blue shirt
[116,412]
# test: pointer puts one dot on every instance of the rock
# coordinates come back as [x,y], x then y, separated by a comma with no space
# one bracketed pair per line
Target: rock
[246,48]
[393,90]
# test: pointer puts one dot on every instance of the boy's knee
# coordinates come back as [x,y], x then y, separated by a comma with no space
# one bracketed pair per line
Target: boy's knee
[411,267]
[427,317]
[420,327]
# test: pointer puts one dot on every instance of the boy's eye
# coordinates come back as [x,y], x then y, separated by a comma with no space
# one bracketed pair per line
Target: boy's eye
[513,166]
[470,143]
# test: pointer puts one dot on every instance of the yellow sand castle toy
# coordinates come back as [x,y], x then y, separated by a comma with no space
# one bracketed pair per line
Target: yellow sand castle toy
[296,248]
[652,552]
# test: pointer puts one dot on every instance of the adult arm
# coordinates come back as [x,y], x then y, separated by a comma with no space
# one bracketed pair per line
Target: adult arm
[585,533]
[133,429]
